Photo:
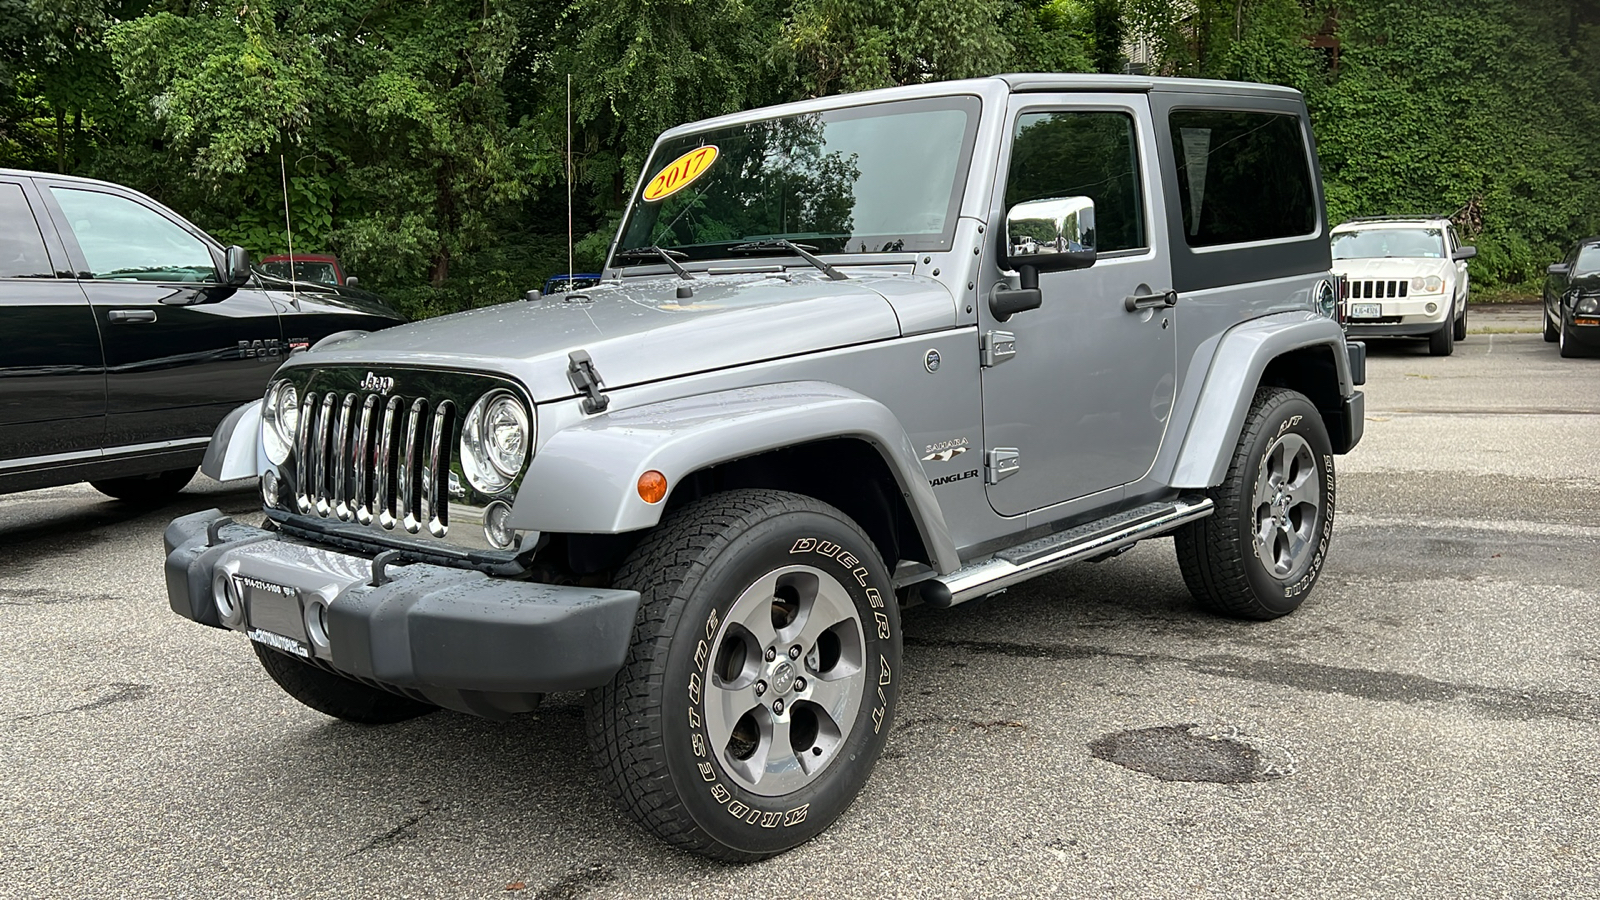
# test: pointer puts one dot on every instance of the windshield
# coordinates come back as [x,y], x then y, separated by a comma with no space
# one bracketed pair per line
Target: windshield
[314,272]
[1588,260]
[870,179]
[1377,243]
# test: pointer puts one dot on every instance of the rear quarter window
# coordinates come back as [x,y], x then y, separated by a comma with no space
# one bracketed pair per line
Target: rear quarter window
[1242,176]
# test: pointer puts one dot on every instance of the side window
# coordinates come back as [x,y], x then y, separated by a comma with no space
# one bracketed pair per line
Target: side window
[126,241]
[1242,176]
[1082,154]
[22,253]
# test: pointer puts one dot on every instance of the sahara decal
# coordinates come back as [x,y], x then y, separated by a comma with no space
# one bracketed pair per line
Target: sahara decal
[944,451]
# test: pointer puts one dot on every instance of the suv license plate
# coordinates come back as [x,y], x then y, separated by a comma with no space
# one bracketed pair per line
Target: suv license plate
[1366,310]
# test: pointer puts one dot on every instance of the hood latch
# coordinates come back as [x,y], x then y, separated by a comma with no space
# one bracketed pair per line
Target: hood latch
[581,372]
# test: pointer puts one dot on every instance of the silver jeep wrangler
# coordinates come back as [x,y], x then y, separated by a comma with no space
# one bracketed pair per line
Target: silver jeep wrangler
[913,345]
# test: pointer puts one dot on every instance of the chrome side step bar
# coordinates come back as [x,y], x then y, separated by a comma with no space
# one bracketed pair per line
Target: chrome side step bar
[1024,561]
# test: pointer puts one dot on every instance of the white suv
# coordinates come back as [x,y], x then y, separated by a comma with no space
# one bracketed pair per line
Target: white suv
[1405,276]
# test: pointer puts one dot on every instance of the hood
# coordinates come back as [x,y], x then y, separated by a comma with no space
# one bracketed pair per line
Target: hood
[1586,283]
[1393,267]
[317,297]
[640,330]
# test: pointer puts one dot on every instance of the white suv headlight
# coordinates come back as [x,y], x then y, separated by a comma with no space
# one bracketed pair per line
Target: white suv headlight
[495,441]
[280,419]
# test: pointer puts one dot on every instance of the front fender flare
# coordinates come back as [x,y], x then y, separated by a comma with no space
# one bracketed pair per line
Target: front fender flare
[235,449]
[583,479]
[1242,355]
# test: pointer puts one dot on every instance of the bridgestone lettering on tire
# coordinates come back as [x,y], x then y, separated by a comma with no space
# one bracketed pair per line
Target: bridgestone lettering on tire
[1258,556]
[762,680]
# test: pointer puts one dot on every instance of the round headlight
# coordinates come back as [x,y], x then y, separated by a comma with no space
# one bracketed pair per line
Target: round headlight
[1418,282]
[1433,284]
[495,440]
[280,419]
[1327,305]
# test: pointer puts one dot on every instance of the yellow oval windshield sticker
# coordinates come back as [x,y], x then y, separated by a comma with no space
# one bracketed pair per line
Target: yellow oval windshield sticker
[680,172]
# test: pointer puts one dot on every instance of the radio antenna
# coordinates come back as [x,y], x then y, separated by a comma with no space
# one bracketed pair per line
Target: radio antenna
[283,172]
[568,181]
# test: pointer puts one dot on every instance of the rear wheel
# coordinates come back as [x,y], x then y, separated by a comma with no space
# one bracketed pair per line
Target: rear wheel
[335,695]
[761,684]
[1551,333]
[152,488]
[1259,554]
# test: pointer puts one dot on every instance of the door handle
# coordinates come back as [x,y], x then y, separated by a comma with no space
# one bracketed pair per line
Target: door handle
[131,316]
[1137,302]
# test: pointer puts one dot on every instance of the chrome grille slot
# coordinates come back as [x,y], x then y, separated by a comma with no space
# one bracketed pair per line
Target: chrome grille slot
[373,461]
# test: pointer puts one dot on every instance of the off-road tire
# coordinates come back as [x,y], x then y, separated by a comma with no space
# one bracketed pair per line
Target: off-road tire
[1551,333]
[335,695]
[1443,341]
[152,488]
[1218,554]
[1461,323]
[649,729]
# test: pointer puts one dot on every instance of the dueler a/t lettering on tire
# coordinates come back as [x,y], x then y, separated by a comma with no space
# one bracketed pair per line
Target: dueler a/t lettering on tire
[1259,554]
[763,676]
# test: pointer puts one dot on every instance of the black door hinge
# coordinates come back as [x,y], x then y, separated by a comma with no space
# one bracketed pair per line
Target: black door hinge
[581,372]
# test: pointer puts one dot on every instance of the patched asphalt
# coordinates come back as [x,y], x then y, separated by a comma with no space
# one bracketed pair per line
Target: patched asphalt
[1427,725]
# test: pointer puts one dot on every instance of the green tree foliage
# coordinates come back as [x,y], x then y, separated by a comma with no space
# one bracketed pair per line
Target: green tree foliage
[427,141]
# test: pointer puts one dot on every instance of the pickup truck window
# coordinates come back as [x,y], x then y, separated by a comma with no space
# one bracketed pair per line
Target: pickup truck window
[22,253]
[870,179]
[1242,176]
[124,241]
[1082,154]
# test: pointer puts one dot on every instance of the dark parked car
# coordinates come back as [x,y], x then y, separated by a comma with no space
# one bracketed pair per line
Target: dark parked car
[316,268]
[1572,300]
[127,334]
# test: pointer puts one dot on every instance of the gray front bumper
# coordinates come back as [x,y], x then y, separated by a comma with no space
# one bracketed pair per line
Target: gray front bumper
[455,637]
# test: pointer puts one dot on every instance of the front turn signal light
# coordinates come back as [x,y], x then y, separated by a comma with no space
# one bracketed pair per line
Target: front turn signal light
[652,487]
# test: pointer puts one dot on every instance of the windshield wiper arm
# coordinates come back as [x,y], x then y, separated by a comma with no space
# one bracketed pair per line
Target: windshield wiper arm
[670,257]
[801,250]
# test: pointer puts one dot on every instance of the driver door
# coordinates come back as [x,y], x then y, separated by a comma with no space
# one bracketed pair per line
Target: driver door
[1083,404]
[182,349]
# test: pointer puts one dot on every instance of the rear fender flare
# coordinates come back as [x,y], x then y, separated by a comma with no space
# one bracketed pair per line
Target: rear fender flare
[1241,357]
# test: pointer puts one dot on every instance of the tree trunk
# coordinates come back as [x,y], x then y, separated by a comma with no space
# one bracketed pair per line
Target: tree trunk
[441,269]
[61,140]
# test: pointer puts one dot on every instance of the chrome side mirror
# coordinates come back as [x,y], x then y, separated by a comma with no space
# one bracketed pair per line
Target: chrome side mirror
[1051,235]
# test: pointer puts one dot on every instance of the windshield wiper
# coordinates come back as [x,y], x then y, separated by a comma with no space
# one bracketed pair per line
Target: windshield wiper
[800,250]
[670,257]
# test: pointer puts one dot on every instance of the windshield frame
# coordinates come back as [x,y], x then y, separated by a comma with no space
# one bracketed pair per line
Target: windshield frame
[673,143]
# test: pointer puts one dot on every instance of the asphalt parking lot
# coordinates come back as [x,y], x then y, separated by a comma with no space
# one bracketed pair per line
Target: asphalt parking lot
[1427,725]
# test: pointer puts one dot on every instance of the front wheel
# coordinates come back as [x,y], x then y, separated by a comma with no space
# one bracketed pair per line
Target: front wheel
[1460,333]
[1569,348]
[762,680]
[1259,554]
[1443,341]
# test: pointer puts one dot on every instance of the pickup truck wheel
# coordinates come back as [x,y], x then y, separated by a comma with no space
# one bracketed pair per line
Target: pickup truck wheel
[146,488]
[335,695]
[1259,554]
[762,679]
[1442,342]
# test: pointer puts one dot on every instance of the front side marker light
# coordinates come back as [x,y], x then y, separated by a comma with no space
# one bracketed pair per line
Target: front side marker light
[652,487]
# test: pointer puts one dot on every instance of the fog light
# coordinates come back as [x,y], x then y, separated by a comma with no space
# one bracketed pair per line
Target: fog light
[495,528]
[1432,308]
[225,594]
[317,623]
[269,488]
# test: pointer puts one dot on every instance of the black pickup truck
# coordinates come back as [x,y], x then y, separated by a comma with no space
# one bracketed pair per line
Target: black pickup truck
[127,334]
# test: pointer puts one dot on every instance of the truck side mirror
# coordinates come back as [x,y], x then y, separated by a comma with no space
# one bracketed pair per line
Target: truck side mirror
[238,266]
[1464,253]
[352,281]
[1043,236]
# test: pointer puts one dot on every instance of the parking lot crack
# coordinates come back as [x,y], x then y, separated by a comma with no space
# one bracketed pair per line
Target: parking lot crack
[118,693]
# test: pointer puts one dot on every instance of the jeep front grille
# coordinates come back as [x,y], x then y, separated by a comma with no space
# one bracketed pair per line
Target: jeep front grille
[368,458]
[1375,290]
